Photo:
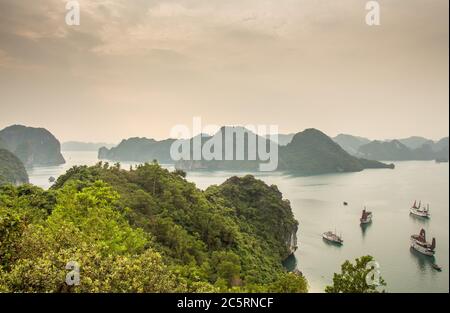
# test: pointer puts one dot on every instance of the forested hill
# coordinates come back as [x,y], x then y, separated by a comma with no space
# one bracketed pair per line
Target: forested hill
[12,169]
[147,230]
[138,150]
[312,152]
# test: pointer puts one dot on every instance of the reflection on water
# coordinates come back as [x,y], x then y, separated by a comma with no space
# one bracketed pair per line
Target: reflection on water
[331,243]
[364,228]
[424,262]
[317,203]
[290,264]
[419,220]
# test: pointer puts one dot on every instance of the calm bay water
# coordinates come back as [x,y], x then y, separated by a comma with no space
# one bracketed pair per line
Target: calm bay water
[317,203]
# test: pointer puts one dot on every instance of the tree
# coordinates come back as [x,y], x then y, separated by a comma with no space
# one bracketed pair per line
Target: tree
[85,228]
[180,173]
[12,226]
[227,266]
[353,277]
[290,283]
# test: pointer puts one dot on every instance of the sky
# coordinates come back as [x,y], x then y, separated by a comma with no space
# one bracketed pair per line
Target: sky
[141,67]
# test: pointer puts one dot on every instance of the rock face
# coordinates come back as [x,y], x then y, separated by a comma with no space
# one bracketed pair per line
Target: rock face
[12,170]
[291,241]
[311,152]
[33,146]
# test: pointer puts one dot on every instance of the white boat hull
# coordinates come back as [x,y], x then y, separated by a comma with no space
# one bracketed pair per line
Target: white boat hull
[421,249]
[332,240]
[419,213]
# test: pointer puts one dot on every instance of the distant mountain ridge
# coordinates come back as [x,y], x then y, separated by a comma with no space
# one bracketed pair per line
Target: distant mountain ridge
[385,150]
[139,150]
[33,146]
[395,150]
[350,143]
[415,142]
[308,153]
[405,149]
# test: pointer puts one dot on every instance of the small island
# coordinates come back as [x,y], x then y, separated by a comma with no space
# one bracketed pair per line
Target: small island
[33,146]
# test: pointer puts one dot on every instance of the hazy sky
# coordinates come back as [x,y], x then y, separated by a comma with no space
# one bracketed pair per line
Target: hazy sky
[139,67]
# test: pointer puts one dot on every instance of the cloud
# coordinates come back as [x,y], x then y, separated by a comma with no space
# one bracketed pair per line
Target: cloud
[299,58]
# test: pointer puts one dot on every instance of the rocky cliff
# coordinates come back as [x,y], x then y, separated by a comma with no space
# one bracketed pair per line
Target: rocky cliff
[33,146]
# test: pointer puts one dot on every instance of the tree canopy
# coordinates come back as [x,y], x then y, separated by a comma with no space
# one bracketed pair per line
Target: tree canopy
[354,277]
[145,230]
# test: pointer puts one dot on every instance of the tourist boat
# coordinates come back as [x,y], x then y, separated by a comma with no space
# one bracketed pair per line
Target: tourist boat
[418,210]
[419,243]
[366,217]
[436,267]
[332,237]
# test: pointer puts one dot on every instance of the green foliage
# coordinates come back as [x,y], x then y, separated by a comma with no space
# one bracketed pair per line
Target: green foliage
[31,201]
[180,173]
[46,272]
[84,227]
[146,230]
[290,283]
[352,278]
[12,226]
[227,267]
[12,170]
[92,212]
[260,209]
